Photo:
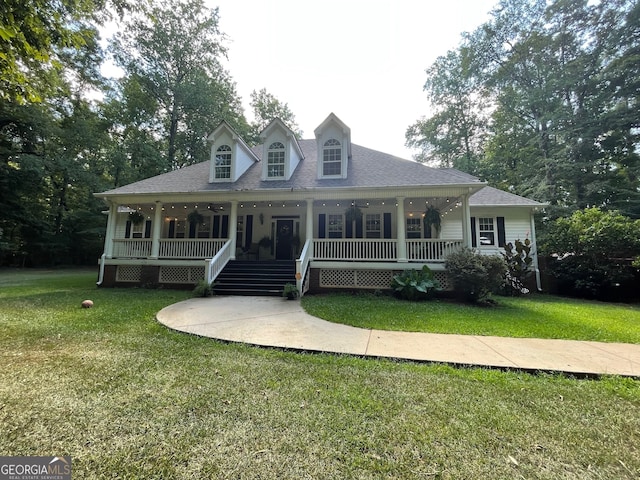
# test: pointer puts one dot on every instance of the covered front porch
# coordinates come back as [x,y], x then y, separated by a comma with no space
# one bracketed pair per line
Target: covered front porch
[369,233]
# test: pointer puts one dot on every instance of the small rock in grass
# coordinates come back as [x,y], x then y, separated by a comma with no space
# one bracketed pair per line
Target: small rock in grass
[87,304]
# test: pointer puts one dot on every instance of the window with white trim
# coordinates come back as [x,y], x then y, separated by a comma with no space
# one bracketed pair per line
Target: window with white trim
[414,227]
[331,158]
[486,231]
[335,226]
[223,162]
[373,225]
[275,160]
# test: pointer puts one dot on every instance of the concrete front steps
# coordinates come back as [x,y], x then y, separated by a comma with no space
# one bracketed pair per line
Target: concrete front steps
[262,277]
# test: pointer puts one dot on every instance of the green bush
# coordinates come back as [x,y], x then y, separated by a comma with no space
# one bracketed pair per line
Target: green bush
[475,276]
[203,289]
[415,284]
[519,260]
[592,254]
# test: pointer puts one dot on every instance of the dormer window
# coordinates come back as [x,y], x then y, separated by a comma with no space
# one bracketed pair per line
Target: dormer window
[223,162]
[331,158]
[275,160]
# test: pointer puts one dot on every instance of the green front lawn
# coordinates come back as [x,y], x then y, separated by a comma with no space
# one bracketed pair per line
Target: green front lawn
[128,398]
[534,316]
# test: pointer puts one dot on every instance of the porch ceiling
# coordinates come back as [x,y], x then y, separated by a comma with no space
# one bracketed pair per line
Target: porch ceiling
[292,195]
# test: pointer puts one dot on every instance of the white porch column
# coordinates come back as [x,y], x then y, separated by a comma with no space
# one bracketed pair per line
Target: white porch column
[401,226]
[157,229]
[466,222]
[111,230]
[233,227]
[309,221]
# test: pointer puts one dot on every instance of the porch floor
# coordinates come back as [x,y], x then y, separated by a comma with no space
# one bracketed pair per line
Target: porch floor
[275,322]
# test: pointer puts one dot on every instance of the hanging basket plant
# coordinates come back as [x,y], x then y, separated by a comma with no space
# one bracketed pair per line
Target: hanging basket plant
[195,217]
[136,217]
[432,220]
[353,213]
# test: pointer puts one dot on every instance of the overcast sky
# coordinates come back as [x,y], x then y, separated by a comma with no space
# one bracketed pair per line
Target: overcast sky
[363,60]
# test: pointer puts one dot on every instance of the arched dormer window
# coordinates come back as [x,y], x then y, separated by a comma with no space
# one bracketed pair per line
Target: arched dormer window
[223,162]
[275,160]
[331,158]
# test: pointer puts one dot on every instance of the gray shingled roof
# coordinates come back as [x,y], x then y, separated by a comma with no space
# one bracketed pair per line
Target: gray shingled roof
[367,168]
[492,197]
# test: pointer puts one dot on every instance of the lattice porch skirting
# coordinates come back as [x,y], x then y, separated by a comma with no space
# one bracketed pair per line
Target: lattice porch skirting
[366,279]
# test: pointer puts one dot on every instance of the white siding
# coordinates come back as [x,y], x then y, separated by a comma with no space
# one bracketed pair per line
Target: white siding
[517,223]
[240,162]
[121,224]
[452,225]
[293,159]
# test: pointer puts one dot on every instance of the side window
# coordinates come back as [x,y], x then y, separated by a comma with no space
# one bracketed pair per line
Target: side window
[275,160]
[223,162]
[414,227]
[486,231]
[331,158]
[335,226]
[373,225]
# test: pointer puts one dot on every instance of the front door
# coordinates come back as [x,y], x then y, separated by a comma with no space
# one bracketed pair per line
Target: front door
[284,238]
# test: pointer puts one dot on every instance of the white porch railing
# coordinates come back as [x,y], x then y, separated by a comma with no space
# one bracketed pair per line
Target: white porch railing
[190,247]
[131,248]
[431,250]
[217,263]
[186,248]
[332,249]
[354,249]
[302,265]
[371,250]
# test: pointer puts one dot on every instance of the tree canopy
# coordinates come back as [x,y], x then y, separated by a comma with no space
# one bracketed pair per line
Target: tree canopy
[174,90]
[267,108]
[542,100]
[61,140]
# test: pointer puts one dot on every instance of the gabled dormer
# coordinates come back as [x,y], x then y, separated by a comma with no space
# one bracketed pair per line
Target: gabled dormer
[334,148]
[230,156]
[281,152]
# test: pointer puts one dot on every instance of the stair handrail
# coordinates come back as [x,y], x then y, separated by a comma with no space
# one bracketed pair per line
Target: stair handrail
[214,266]
[302,265]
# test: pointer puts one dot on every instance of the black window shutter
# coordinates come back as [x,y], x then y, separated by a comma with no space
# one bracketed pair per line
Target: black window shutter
[474,242]
[348,230]
[192,229]
[172,229]
[225,226]
[359,228]
[322,225]
[249,233]
[387,225]
[127,229]
[147,229]
[502,241]
[216,226]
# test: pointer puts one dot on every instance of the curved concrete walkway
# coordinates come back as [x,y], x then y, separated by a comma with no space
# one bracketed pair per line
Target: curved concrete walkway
[276,322]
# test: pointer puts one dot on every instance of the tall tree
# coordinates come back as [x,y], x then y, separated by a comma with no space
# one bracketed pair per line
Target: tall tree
[560,86]
[34,34]
[49,157]
[452,136]
[266,107]
[171,53]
